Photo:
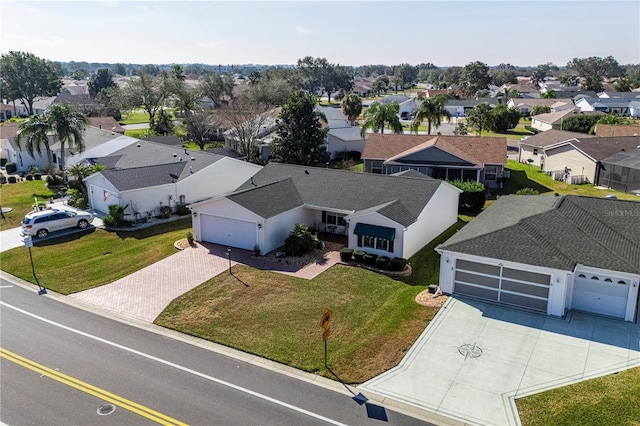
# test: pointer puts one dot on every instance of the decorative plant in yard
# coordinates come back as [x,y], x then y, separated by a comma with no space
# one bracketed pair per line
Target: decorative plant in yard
[116,217]
[300,241]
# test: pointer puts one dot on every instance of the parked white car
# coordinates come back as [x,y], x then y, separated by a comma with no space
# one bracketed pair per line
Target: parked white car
[42,223]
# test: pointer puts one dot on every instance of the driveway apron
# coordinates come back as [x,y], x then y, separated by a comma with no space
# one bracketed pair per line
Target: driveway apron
[475,358]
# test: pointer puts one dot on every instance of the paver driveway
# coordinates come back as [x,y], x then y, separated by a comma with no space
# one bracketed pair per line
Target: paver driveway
[475,358]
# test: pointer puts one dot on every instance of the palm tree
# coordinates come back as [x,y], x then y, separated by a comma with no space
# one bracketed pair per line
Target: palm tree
[35,130]
[68,126]
[432,110]
[378,115]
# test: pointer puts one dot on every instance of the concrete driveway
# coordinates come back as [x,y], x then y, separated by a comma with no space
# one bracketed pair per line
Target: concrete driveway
[475,358]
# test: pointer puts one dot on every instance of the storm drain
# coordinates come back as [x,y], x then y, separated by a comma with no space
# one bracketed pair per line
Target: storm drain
[470,350]
[106,409]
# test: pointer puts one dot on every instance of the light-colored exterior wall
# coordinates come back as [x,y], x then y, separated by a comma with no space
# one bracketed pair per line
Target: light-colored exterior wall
[335,145]
[567,155]
[540,125]
[527,152]
[23,159]
[378,220]
[439,214]
[220,207]
[276,229]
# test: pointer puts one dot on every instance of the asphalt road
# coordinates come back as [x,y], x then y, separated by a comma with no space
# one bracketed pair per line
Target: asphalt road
[64,365]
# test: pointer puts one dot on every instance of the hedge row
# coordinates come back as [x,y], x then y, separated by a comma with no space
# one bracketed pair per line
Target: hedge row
[370,259]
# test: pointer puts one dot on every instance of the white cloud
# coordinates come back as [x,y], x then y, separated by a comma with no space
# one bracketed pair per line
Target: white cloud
[303,30]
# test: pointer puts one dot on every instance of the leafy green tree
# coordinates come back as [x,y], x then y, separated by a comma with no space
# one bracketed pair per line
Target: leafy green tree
[119,69]
[246,120]
[594,69]
[549,94]
[504,118]
[539,73]
[503,76]
[163,123]
[622,84]
[540,109]
[579,123]
[407,73]
[569,80]
[432,110]
[146,91]
[473,198]
[68,126]
[352,107]
[474,77]
[321,76]
[24,76]
[34,132]
[177,72]
[270,91]
[396,82]
[215,86]
[199,125]
[460,130]
[479,118]
[100,81]
[379,86]
[300,137]
[378,116]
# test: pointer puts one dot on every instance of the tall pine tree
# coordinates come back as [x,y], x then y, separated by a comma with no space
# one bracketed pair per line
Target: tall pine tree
[300,137]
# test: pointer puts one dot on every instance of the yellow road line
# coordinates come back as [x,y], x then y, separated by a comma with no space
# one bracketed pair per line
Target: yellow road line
[90,389]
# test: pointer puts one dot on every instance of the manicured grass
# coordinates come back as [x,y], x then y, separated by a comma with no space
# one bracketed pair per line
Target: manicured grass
[610,400]
[525,176]
[135,117]
[85,260]
[137,133]
[194,146]
[426,262]
[375,318]
[19,196]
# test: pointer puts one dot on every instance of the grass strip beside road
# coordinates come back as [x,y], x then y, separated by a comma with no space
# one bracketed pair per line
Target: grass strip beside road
[610,400]
[85,260]
[375,318]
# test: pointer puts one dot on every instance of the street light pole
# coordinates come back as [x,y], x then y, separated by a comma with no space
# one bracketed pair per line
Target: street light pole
[28,244]
[229,256]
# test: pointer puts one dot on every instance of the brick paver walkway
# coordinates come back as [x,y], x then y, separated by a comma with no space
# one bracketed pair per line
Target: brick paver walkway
[143,295]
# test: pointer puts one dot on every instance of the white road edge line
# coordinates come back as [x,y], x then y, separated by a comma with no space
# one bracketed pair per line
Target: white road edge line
[179,367]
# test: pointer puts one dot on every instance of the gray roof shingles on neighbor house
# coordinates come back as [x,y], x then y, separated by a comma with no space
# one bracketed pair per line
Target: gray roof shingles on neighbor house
[401,199]
[555,232]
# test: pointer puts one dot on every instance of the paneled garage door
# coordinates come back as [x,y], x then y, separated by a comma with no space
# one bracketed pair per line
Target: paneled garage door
[228,232]
[600,294]
[500,284]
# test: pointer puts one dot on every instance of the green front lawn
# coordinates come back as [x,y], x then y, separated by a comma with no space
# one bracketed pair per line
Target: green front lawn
[137,133]
[20,197]
[135,117]
[375,318]
[89,259]
[610,400]
[526,176]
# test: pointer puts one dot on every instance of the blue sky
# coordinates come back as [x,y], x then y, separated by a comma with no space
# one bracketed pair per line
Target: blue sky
[345,32]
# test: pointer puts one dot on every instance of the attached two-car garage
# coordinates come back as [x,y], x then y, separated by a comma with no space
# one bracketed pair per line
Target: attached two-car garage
[228,231]
[601,294]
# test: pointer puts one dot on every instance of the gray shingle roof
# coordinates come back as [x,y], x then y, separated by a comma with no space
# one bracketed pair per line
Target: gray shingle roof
[629,159]
[282,196]
[555,232]
[399,198]
[144,177]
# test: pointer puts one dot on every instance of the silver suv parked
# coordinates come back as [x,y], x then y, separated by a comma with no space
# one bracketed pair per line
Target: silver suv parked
[41,223]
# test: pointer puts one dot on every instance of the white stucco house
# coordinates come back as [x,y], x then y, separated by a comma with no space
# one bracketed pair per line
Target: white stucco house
[549,254]
[146,176]
[393,216]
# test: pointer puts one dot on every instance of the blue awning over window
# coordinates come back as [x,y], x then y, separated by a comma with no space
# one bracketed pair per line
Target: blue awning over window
[375,231]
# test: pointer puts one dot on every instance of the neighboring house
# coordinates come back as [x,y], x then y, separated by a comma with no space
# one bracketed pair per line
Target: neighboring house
[6,112]
[526,105]
[623,95]
[394,216]
[172,140]
[527,90]
[617,130]
[17,109]
[549,254]
[264,137]
[570,157]
[460,107]
[551,120]
[145,176]
[345,140]
[40,105]
[618,106]
[107,123]
[621,171]
[393,98]
[409,106]
[447,157]
[96,143]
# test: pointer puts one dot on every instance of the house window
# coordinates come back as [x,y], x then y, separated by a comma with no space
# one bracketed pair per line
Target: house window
[375,237]
[535,151]
[490,172]
[331,218]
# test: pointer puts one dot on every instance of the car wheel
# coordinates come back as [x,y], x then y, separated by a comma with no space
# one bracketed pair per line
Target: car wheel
[42,233]
[82,223]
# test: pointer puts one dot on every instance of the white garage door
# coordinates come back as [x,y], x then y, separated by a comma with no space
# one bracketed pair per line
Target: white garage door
[101,199]
[506,285]
[600,294]
[228,232]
